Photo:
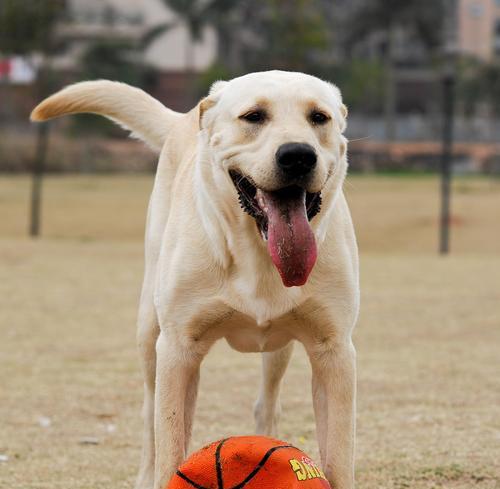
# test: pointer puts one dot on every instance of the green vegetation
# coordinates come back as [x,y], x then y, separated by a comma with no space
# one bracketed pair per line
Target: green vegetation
[28,25]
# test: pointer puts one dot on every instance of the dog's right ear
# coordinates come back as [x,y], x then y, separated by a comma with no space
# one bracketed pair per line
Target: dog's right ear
[211,99]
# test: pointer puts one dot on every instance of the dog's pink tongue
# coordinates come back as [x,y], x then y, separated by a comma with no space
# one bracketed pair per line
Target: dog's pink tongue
[291,242]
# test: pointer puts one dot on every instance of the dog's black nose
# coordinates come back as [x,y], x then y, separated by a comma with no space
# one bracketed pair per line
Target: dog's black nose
[296,159]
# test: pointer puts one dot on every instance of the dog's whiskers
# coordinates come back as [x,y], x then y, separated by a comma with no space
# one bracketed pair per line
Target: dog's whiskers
[360,139]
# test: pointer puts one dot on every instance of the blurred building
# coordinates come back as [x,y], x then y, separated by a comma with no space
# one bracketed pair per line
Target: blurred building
[479,28]
[173,54]
[89,20]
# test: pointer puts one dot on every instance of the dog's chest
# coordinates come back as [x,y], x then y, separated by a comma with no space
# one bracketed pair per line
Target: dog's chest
[244,335]
[259,307]
[262,300]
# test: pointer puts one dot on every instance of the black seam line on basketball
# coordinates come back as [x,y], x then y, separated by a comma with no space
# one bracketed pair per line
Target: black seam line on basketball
[218,466]
[259,466]
[189,481]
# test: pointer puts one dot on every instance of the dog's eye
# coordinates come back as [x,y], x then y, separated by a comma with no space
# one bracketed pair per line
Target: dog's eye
[254,117]
[318,117]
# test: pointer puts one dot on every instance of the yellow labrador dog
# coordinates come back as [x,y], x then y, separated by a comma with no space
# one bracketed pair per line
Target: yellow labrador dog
[249,238]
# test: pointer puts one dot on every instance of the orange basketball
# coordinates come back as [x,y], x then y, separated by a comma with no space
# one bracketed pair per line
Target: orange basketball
[249,462]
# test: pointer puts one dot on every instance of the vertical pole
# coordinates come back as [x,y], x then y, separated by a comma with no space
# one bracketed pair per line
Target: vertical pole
[449,82]
[37,178]
[391,85]
[48,12]
[446,160]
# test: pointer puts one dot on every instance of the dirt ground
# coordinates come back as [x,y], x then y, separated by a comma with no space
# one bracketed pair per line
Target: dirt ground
[427,340]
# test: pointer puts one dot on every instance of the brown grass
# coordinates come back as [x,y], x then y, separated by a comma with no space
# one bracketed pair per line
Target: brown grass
[392,215]
[427,341]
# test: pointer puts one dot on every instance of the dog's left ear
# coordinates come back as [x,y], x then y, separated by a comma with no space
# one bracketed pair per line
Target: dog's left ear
[343,120]
[211,99]
[340,113]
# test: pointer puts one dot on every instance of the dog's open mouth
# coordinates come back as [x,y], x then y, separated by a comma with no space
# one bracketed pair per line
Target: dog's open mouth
[282,217]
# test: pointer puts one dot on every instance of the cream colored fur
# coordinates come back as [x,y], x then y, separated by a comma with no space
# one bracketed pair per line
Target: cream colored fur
[130,107]
[207,271]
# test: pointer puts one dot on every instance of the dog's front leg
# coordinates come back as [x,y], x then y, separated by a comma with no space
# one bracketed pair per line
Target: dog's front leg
[176,369]
[334,396]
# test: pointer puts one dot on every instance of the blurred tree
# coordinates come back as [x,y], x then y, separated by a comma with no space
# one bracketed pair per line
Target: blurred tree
[421,19]
[111,59]
[296,34]
[362,84]
[195,15]
[284,34]
[272,34]
[480,83]
[217,71]
[479,92]
[28,27]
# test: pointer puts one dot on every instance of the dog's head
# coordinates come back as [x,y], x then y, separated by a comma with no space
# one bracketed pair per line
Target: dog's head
[278,137]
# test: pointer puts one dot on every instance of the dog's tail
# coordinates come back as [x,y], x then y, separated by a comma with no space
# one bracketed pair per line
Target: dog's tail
[133,109]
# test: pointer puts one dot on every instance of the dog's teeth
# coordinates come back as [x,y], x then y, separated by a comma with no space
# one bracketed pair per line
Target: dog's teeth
[246,206]
[316,207]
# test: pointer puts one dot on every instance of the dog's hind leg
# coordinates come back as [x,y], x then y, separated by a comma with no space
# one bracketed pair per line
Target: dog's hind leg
[147,335]
[267,408]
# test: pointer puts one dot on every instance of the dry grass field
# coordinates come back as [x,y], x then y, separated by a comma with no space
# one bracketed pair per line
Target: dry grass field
[428,340]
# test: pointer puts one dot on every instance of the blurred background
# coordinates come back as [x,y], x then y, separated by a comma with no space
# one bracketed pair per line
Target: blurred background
[421,79]
[412,74]
[388,58]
